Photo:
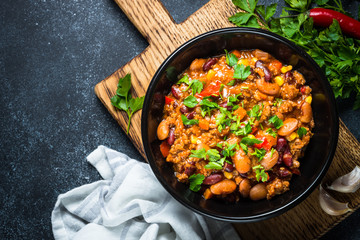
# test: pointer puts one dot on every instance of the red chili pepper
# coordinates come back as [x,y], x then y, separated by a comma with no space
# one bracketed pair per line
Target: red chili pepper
[324,18]
[168,100]
[211,90]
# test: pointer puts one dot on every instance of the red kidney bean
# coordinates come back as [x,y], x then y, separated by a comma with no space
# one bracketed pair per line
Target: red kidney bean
[280,159]
[191,115]
[244,175]
[288,75]
[171,138]
[212,179]
[267,73]
[184,109]
[283,172]
[176,91]
[287,159]
[296,171]
[189,170]
[281,144]
[259,64]
[228,167]
[208,64]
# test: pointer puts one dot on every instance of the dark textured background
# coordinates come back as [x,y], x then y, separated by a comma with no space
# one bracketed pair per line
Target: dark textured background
[52,54]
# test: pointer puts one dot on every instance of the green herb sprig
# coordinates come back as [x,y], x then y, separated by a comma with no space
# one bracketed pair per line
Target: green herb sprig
[124,101]
[336,54]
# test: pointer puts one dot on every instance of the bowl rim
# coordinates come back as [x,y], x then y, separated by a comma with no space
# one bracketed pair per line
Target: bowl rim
[274,212]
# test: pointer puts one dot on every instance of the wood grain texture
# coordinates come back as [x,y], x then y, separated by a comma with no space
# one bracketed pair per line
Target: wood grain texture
[305,221]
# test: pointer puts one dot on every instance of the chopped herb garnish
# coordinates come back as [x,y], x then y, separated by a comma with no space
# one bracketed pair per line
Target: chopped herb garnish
[241,72]
[231,83]
[259,153]
[207,106]
[272,152]
[184,79]
[243,131]
[260,173]
[196,86]
[201,153]
[255,112]
[276,121]
[244,147]
[231,59]
[278,102]
[124,101]
[190,101]
[250,141]
[195,182]
[271,132]
[301,132]
[187,121]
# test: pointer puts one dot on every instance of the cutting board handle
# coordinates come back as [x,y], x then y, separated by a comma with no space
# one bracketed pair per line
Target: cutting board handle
[148,16]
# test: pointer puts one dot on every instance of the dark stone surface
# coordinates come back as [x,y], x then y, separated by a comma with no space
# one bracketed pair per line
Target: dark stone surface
[52,54]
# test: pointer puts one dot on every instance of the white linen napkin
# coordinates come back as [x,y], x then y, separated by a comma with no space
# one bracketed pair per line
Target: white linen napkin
[128,204]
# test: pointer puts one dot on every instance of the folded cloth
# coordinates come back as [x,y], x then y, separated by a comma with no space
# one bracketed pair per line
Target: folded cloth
[128,204]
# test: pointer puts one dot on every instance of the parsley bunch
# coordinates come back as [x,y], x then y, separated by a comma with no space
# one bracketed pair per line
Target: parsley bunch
[336,54]
[123,99]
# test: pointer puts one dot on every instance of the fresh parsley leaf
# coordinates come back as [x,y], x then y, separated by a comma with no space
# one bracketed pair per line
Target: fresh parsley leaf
[241,72]
[231,59]
[244,147]
[213,155]
[213,165]
[298,5]
[195,182]
[260,173]
[190,101]
[276,121]
[119,102]
[187,121]
[201,153]
[124,101]
[321,2]
[136,103]
[207,106]
[270,11]
[249,7]
[255,112]
[278,102]
[184,79]
[240,19]
[301,132]
[272,152]
[229,149]
[271,132]
[124,86]
[250,141]
[196,86]
[259,153]
[243,131]
[231,83]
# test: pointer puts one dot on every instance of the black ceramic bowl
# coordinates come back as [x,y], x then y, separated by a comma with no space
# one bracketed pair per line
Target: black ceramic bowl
[319,152]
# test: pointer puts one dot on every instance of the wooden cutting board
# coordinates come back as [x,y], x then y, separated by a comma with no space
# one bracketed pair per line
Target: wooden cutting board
[305,221]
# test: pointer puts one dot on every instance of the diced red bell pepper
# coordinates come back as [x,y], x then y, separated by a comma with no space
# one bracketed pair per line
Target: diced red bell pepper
[211,90]
[264,144]
[168,100]
[164,148]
